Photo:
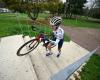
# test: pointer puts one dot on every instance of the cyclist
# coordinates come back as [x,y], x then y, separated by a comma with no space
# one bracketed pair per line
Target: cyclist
[58,35]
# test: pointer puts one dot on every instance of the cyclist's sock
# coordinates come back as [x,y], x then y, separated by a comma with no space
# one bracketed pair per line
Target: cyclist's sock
[49,53]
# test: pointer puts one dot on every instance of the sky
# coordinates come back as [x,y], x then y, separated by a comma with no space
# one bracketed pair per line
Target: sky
[90,3]
[63,0]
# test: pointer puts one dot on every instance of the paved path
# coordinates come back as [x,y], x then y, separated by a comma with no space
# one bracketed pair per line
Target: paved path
[87,38]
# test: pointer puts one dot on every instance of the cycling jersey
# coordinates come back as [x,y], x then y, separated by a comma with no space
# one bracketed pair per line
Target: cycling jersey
[59,35]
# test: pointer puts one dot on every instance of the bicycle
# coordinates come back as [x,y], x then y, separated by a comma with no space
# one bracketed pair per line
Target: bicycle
[32,44]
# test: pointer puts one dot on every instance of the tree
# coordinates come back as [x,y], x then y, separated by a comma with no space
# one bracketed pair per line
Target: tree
[95,13]
[12,4]
[94,10]
[60,8]
[2,4]
[97,3]
[33,6]
[73,7]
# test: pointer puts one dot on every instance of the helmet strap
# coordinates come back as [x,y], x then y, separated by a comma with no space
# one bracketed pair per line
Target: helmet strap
[57,27]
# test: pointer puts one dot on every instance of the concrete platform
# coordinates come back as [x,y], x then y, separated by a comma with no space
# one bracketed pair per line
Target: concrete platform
[13,67]
[48,66]
[35,66]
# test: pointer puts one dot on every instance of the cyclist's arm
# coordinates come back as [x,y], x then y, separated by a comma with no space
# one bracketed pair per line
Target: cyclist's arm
[58,38]
[54,43]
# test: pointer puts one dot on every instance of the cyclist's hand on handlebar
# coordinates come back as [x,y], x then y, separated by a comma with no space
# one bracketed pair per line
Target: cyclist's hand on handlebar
[51,41]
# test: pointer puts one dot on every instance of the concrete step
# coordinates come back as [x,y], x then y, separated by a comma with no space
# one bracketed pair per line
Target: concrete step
[70,53]
[51,65]
[40,67]
[53,68]
[27,38]
[34,66]
[13,67]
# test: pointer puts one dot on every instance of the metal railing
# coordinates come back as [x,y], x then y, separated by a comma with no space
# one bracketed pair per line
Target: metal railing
[69,70]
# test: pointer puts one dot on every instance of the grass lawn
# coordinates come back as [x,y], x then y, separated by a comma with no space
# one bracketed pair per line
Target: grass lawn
[11,24]
[92,69]
[81,23]
[43,15]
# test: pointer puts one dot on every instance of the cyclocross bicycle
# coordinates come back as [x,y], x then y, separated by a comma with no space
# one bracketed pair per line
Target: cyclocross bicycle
[32,44]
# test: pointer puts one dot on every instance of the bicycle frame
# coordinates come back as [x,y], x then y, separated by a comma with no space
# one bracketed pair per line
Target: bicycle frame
[40,37]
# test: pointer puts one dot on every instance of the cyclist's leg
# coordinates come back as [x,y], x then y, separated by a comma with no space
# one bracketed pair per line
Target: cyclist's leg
[60,44]
[49,46]
[49,49]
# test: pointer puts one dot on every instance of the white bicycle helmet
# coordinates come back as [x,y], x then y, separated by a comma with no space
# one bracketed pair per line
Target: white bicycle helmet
[55,21]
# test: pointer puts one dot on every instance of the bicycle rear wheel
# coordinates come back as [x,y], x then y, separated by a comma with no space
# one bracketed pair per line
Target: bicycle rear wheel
[27,47]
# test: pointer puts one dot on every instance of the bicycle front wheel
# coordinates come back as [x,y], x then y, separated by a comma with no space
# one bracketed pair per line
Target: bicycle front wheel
[27,47]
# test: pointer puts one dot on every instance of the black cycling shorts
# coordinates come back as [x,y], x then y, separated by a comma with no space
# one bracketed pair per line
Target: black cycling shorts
[60,43]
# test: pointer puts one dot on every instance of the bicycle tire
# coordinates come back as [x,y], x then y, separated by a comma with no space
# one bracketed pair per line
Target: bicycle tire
[24,45]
